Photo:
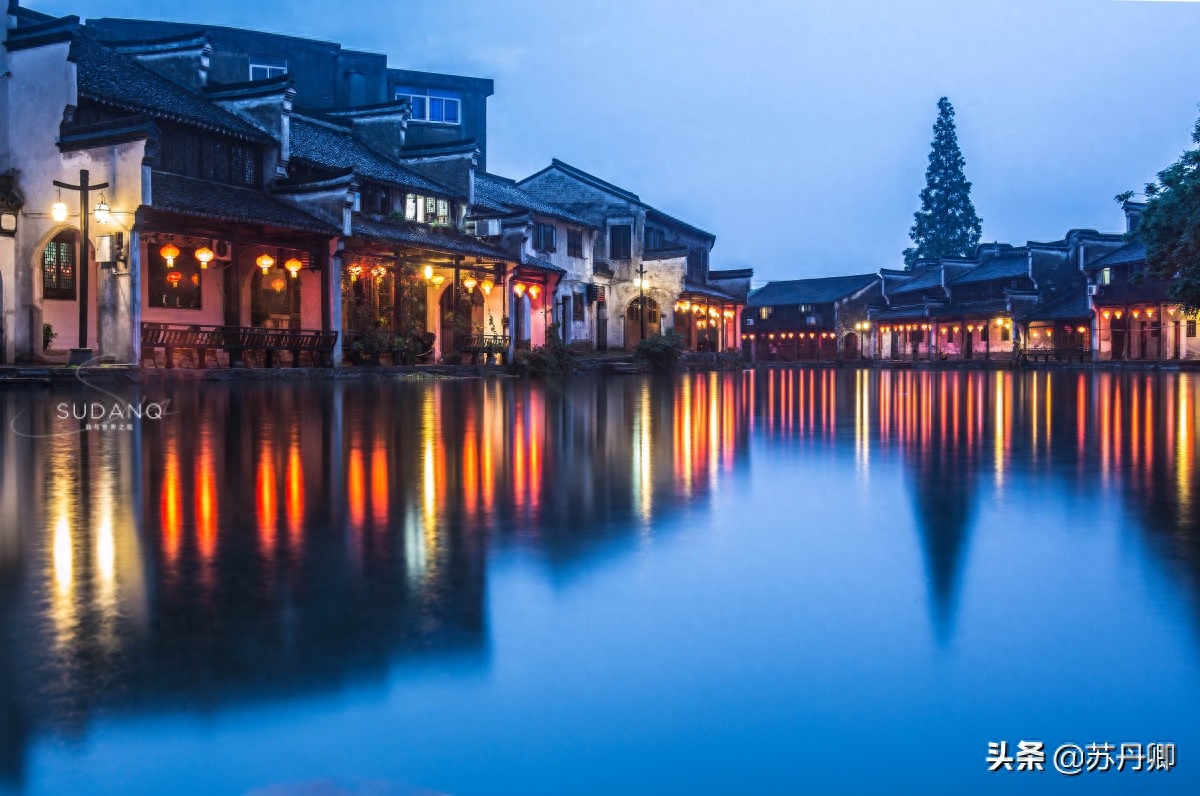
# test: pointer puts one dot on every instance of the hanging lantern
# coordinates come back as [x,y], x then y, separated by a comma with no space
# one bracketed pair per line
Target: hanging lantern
[956,329]
[265,261]
[1081,330]
[1149,313]
[1136,314]
[196,280]
[469,283]
[486,286]
[970,327]
[169,252]
[204,256]
[519,288]
[944,330]
[438,279]
[58,210]
[174,277]
[728,314]
[428,272]
[355,272]
[535,291]
[686,305]
[1049,332]
[278,284]
[293,266]
[103,211]
[1118,314]
[379,272]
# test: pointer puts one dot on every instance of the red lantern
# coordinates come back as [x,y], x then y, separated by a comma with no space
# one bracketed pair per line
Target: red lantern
[174,277]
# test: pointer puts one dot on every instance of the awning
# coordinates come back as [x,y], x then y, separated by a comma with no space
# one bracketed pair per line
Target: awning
[437,239]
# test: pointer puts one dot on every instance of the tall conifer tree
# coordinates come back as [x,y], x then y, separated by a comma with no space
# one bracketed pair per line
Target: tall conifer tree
[946,225]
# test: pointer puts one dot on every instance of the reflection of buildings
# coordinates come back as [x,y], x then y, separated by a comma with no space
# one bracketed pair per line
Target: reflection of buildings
[266,540]
[1132,435]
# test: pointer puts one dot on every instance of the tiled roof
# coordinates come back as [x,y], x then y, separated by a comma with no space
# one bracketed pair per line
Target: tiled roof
[902,313]
[188,196]
[709,291]
[931,278]
[436,238]
[333,147]
[107,77]
[615,190]
[1008,266]
[988,308]
[1068,307]
[542,265]
[809,291]
[1134,252]
[501,194]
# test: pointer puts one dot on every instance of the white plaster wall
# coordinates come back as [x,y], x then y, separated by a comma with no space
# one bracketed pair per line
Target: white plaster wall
[41,85]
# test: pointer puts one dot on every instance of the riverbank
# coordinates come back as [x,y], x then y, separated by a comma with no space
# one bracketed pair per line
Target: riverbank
[604,366]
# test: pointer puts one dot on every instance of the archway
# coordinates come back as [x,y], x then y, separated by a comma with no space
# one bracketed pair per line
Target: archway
[850,345]
[634,323]
[470,319]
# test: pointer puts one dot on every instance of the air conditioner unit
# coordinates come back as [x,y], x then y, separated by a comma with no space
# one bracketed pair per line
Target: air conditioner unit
[1093,290]
[487,227]
[221,249]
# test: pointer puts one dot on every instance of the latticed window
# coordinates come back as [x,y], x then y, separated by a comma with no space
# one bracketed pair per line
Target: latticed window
[58,267]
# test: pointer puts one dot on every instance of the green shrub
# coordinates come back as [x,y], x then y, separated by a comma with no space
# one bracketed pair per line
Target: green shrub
[552,359]
[662,351]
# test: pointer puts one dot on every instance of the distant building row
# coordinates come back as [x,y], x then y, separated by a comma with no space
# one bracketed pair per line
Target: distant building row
[265,192]
[1086,297]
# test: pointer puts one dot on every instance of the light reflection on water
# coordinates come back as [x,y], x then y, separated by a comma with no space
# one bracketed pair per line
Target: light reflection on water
[269,544]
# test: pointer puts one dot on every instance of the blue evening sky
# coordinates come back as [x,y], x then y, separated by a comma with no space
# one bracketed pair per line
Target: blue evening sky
[797,132]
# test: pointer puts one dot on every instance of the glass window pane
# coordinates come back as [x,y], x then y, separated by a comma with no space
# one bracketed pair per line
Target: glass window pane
[451,111]
[436,109]
[418,108]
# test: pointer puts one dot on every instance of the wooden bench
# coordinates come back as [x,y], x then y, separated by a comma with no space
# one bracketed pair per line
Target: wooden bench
[1059,354]
[484,345]
[236,341]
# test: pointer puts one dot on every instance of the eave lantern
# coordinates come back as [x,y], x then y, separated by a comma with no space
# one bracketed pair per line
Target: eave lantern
[469,282]
[535,291]
[265,262]
[174,277]
[486,286]
[278,284]
[204,256]
[293,266]
[519,288]
[169,252]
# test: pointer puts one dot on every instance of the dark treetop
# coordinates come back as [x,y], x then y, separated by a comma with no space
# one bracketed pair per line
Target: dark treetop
[1170,225]
[946,225]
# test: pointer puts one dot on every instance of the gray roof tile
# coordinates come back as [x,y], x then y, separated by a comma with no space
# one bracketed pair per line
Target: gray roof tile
[809,291]
[110,78]
[332,147]
[436,238]
[188,196]
[499,194]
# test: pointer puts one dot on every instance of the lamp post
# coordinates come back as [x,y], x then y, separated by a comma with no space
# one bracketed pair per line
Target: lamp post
[82,354]
[640,283]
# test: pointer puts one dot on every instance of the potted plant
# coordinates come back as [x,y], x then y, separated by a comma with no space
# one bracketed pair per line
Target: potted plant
[48,335]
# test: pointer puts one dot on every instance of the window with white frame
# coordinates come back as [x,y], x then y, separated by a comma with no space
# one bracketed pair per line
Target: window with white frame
[1105,276]
[266,66]
[426,209]
[432,104]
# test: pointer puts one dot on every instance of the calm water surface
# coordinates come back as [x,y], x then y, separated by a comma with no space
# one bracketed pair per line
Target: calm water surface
[772,584]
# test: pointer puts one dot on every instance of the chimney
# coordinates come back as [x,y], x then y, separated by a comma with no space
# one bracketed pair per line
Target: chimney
[180,59]
[1133,215]
[381,127]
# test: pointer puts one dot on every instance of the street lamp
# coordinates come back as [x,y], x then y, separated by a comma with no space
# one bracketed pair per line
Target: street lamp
[82,354]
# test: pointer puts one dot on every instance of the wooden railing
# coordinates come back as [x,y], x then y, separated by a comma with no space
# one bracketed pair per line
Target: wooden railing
[236,341]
